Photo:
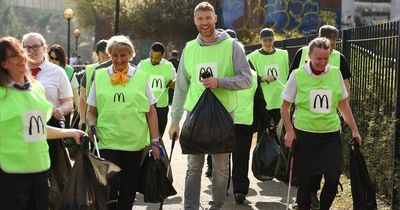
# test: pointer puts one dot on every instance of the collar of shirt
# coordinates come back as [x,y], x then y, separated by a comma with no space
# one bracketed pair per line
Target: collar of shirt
[26,86]
[130,73]
[307,67]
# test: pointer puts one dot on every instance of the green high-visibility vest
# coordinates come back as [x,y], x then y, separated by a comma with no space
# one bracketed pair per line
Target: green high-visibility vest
[89,70]
[276,64]
[23,133]
[215,59]
[317,100]
[245,103]
[121,112]
[334,57]
[159,76]
[70,72]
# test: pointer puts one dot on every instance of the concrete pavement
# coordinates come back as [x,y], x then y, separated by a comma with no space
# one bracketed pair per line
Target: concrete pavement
[269,195]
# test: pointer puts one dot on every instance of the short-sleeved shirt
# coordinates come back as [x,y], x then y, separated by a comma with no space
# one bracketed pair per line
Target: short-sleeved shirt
[55,82]
[91,100]
[289,94]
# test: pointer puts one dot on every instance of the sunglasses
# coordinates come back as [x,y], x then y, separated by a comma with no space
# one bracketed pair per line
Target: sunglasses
[33,47]
[53,58]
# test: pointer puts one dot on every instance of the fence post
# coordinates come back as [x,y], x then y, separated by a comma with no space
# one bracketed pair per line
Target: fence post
[396,155]
[345,44]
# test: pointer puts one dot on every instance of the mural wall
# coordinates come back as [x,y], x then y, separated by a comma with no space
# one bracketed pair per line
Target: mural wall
[288,18]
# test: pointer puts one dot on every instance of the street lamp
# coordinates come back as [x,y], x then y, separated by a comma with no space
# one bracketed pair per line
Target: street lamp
[77,33]
[68,15]
[117,10]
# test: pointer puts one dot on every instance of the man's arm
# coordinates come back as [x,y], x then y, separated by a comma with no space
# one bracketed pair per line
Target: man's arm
[296,61]
[243,77]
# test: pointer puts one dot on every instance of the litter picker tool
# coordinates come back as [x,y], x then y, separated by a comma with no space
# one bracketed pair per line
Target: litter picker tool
[96,146]
[283,85]
[291,160]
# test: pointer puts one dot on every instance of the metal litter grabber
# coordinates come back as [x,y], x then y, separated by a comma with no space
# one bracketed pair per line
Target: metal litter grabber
[162,93]
[283,85]
[290,166]
[96,146]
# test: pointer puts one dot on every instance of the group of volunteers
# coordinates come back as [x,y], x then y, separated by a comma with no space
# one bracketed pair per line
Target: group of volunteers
[126,107]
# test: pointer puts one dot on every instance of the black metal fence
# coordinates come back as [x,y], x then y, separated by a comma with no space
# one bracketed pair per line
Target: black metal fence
[373,54]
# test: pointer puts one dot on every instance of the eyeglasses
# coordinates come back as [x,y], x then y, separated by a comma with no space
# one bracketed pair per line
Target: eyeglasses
[53,58]
[33,47]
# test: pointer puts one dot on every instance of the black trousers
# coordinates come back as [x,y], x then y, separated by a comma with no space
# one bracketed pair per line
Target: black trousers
[24,191]
[162,115]
[125,185]
[240,157]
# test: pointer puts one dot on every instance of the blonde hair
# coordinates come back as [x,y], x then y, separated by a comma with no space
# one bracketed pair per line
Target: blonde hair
[319,42]
[120,41]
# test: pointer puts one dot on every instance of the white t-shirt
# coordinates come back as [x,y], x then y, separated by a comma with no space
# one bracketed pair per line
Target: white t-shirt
[289,94]
[55,82]
[91,100]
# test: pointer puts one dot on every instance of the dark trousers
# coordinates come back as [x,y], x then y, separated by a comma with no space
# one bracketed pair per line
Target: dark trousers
[240,157]
[328,192]
[162,115]
[125,185]
[24,191]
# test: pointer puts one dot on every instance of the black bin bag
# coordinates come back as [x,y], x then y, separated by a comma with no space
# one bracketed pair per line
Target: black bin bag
[362,189]
[265,157]
[209,128]
[154,184]
[88,186]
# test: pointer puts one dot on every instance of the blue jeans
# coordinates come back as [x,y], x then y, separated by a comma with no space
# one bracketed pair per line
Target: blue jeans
[193,180]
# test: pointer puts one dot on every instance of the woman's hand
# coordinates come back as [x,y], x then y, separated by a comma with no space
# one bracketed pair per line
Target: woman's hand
[290,137]
[357,137]
[76,134]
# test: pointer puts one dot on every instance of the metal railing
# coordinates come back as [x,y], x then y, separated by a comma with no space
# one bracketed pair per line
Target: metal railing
[373,54]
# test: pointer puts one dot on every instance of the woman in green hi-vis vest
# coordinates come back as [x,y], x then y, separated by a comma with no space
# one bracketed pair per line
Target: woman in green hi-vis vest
[318,91]
[24,111]
[121,107]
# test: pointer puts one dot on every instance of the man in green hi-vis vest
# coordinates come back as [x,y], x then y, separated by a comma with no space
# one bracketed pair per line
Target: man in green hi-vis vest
[272,66]
[162,76]
[225,60]
[336,59]
[86,81]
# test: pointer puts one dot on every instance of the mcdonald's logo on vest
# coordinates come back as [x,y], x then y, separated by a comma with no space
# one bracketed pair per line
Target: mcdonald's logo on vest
[36,121]
[205,72]
[119,96]
[321,101]
[156,83]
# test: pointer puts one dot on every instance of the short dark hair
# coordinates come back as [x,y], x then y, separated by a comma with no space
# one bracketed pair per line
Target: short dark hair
[175,53]
[328,31]
[204,6]
[101,46]
[158,47]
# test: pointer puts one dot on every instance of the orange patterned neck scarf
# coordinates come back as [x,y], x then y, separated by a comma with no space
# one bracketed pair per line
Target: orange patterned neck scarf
[119,77]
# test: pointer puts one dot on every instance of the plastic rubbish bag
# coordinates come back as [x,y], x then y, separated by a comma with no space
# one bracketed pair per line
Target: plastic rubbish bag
[87,187]
[209,128]
[265,157]
[154,183]
[362,189]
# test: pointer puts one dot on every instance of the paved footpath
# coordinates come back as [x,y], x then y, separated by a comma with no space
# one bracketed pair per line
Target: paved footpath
[269,195]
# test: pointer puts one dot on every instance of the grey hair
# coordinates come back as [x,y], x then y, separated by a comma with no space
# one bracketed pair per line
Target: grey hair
[120,41]
[35,35]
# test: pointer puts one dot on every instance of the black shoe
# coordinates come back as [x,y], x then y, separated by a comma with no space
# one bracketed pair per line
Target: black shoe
[314,202]
[239,198]
[209,172]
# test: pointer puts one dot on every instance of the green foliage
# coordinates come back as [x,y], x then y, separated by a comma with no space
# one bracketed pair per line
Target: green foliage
[373,111]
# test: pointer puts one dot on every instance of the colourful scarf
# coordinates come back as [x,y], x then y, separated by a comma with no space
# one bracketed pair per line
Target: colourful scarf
[119,77]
